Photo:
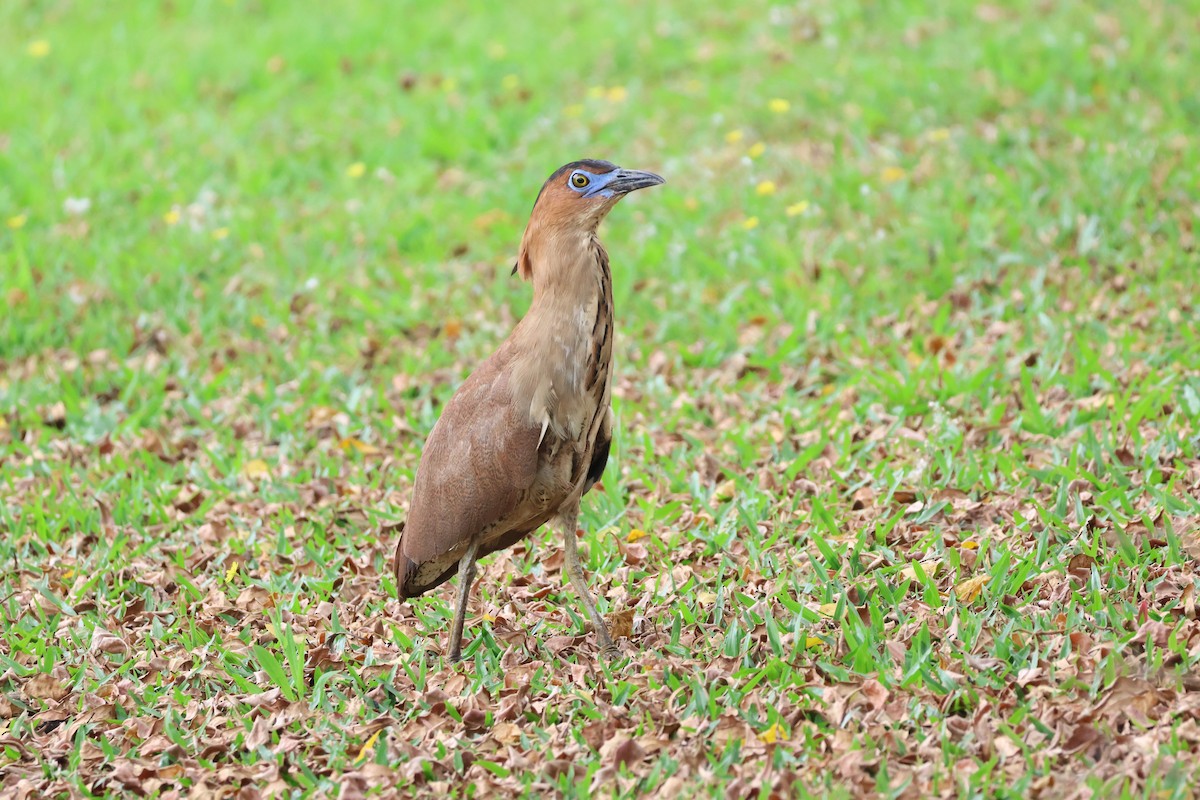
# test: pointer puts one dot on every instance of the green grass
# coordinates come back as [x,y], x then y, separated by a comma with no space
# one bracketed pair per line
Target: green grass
[931,320]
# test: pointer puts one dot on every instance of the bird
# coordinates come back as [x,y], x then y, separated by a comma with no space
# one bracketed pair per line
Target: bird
[528,433]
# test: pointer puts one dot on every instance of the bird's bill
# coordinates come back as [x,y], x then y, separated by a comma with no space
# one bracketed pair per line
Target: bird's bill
[625,181]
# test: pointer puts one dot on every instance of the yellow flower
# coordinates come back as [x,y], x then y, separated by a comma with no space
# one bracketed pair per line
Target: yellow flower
[765,188]
[750,223]
[256,468]
[756,150]
[450,84]
[616,94]
[596,92]
[171,217]
[734,136]
[220,233]
[892,174]
[779,105]
[38,48]
[356,170]
[938,135]
[796,209]
[574,110]
[17,221]
[496,51]
[510,82]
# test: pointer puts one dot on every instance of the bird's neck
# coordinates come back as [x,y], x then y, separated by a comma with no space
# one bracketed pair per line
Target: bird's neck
[568,332]
[571,278]
[559,263]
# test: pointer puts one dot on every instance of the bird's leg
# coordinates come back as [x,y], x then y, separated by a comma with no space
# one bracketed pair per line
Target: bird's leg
[466,576]
[575,573]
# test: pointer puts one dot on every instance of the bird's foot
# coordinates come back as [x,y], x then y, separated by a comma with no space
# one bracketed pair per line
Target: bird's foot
[610,652]
[608,648]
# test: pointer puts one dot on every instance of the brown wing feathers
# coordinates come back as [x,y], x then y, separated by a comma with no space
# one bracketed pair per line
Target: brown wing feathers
[478,463]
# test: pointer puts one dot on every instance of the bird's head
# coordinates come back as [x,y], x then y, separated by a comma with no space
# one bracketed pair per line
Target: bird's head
[577,197]
[582,192]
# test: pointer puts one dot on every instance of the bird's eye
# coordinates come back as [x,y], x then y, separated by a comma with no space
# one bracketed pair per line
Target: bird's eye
[579,180]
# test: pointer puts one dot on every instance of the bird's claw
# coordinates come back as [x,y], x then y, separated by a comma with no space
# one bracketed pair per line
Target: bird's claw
[608,648]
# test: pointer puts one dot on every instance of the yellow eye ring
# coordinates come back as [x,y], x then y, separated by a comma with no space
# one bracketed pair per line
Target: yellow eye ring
[579,180]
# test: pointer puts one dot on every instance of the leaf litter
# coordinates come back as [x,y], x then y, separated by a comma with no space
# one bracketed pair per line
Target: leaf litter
[216,618]
[265,684]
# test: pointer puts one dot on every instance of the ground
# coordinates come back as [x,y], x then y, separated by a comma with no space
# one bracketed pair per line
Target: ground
[904,493]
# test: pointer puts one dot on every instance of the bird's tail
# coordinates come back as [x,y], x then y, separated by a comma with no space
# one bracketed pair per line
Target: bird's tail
[403,567]
[413,577]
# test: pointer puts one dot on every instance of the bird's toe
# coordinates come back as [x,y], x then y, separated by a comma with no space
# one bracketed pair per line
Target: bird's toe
[610,652]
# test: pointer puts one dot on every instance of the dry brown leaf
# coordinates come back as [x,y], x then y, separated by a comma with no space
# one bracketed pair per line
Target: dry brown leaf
[187,502]
[629,752]
[55,416]
[105,642]
[44,686]
[506,733]
[321,416]
[876,693]
[620,623]
[1081,565]
[827,609]
[930,566]
[725,491]
[970,589]
[633,554]
[358,445]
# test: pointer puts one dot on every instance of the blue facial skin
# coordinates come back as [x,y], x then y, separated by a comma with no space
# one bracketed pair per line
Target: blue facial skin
[611,184]
[596,185]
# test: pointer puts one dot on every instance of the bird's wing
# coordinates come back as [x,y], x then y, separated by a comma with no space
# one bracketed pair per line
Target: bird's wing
[479,461]
[600,452]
